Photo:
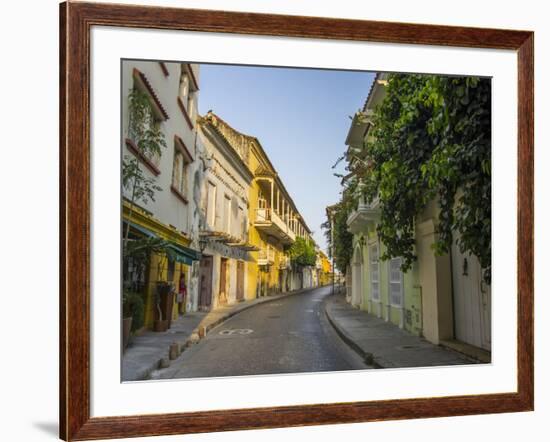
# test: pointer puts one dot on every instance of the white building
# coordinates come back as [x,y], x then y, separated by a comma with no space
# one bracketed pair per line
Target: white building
[171,91]
[224,219]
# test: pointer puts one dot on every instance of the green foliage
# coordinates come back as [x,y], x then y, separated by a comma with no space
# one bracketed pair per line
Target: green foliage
[140,249]
[139,187]
[133,305]
[143,128]
[337,230]
[302,252]
[148,137]
[431,139]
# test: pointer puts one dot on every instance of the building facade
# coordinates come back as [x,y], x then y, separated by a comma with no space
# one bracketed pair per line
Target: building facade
[324,269]
[207,192]
[159,103]
[272,221]
[226,258]
[442,298]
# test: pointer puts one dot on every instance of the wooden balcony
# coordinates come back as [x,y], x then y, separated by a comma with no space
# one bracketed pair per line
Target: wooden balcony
[266,257]
[270,223]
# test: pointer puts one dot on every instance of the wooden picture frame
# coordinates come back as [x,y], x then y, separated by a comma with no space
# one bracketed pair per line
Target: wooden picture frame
[76,20]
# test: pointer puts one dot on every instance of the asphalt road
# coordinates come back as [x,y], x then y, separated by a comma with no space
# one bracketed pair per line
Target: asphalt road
[288,335]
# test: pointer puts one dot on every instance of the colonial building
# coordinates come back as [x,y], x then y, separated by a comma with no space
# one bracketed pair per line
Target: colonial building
[272,221]
[159,102]
[442,298]
[223,221]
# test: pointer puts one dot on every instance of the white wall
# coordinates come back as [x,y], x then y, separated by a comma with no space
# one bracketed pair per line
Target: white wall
[167,207]
[29,370]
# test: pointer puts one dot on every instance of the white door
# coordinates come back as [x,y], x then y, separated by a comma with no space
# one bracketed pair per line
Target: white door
[374,273]
[357,271]
[471,301]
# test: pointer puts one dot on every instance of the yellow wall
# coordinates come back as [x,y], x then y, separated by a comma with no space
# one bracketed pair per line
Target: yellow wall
[254,274]
[158,266]
[158,271]
[326,274]
[253,234]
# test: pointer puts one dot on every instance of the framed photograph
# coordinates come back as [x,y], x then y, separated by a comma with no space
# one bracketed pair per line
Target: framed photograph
[271,221]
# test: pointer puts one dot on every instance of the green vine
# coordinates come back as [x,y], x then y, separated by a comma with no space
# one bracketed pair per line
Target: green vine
[339,239]
[431,140]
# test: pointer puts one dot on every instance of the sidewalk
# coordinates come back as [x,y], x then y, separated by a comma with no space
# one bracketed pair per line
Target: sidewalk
[383,344]
[151,350]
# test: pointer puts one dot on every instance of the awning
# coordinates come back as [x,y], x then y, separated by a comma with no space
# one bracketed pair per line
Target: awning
[185,255]
[141,229]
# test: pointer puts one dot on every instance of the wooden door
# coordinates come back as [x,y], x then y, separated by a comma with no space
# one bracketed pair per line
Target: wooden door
[205,283]
[223,282]
[240,281]
[471,301]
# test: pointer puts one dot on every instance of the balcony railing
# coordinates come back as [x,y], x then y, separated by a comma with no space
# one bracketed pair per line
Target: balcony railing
[366,215]
[266,257]
[284,262]
[268,221]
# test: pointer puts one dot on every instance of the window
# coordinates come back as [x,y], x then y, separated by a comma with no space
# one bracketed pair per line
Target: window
[187,94]
[145,117]
[242,224]
[179,173]
[182,159]
[374,269]
[211,205]
[396,282]
[184,89]
[227,214]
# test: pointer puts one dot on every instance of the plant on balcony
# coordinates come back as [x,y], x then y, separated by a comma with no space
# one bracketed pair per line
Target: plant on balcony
[151,141]
[302,253]
[143,128]
[431,140]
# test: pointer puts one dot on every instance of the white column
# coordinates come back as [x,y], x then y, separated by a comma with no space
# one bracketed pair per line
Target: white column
[271,207]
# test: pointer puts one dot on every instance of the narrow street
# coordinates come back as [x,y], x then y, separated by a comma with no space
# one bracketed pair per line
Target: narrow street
[288,335]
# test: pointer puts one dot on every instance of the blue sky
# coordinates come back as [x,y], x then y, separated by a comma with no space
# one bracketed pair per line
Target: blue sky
[300,116]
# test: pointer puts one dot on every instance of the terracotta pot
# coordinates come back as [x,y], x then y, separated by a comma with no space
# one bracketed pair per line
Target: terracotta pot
[126,328]
[166,306]
[160,326]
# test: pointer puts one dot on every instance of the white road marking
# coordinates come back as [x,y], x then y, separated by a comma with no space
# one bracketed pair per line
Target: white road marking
[236,331]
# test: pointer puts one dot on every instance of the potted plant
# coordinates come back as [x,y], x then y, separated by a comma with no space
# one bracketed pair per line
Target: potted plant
[132,315]
[164,301]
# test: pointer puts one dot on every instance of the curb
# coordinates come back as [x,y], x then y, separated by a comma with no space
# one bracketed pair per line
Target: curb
[198,334]
[367,357]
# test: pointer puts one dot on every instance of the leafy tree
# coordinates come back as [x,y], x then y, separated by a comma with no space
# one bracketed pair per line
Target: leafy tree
[339,239]
[431,139]
[302,253]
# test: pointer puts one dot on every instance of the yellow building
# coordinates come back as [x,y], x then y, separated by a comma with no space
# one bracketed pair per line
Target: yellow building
[161,268]
[273,219]
[325,273]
